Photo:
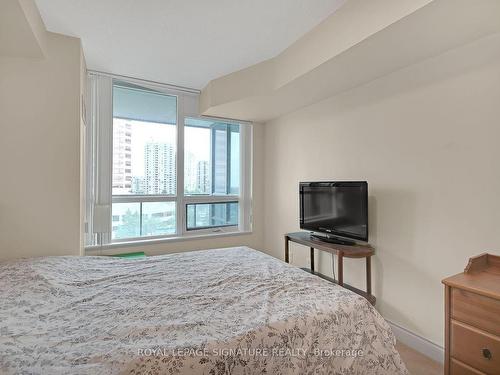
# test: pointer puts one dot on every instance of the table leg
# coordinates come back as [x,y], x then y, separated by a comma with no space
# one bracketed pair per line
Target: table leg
[368,275]
[340,266]
[312,259]
[286,249]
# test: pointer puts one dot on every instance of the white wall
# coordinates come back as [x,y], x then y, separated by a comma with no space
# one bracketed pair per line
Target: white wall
[40,151]
[426,140]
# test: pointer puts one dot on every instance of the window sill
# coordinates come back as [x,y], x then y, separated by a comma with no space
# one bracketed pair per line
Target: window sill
[98,250]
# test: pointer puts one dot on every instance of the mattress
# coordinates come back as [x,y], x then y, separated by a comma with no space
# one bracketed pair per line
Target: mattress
[223,311]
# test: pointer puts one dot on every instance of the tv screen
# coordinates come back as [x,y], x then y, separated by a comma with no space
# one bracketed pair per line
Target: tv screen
[335,208]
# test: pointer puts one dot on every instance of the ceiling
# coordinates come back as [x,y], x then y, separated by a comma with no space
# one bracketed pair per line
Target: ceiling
[182,42]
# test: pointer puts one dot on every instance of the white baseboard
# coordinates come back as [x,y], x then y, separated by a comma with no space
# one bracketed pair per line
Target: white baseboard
[419,343]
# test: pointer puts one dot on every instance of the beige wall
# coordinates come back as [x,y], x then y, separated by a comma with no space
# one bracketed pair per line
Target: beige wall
[426,140]
[40,151]
[335,56]
[22,32]
[41,156]
[425,137]
[254,239]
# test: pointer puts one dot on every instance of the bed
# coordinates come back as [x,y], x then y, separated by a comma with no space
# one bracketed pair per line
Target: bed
[223,311]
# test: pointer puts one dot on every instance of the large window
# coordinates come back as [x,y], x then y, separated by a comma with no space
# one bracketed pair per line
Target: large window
[212,157]
[212,163]
[144,162]
[170,172]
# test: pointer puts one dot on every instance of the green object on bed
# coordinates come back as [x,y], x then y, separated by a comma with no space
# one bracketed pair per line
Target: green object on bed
[138,254]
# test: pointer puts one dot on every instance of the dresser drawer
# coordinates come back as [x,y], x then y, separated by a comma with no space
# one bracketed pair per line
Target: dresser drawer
[468,345]
[459,368]
[476,310]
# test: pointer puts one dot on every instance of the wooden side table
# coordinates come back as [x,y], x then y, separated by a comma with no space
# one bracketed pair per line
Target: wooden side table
[342,251]
[472,318]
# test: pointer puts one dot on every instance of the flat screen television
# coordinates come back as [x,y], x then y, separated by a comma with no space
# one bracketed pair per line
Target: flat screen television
[339,209]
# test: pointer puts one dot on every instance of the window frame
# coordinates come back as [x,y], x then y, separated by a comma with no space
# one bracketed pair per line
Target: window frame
[217,227]
[100,136]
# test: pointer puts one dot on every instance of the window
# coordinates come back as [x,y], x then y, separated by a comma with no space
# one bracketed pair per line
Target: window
[142,219]
[212,164]
[144,131]
[212,157]
[157,169]
[211,215]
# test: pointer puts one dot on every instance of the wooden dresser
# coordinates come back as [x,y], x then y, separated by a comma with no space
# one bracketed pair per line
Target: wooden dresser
[472,318]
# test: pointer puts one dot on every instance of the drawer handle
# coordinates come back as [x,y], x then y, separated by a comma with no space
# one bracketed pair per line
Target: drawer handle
[486,353]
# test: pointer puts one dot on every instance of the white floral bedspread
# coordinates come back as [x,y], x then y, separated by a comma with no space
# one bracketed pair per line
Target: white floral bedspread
[225,311]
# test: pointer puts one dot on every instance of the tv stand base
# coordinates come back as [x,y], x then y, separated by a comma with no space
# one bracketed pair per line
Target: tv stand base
[371,298]
[341,251]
